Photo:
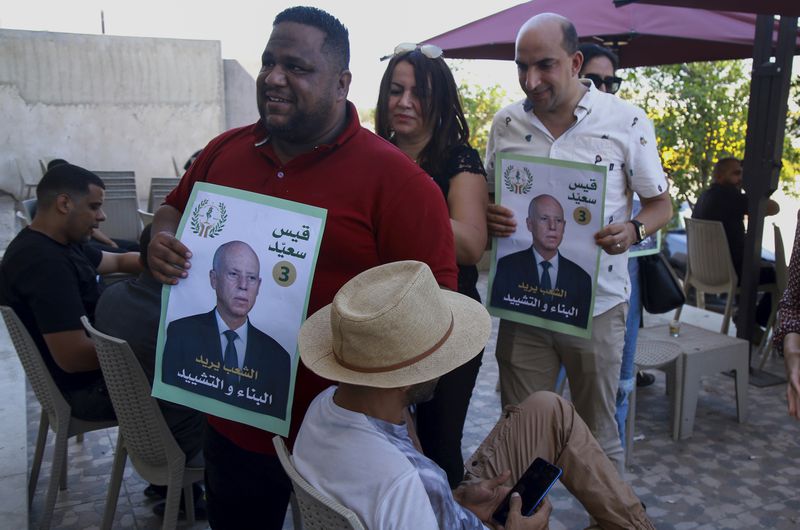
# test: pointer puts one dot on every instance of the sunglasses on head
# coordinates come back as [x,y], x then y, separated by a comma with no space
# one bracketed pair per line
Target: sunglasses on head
[611,82]
[431,51]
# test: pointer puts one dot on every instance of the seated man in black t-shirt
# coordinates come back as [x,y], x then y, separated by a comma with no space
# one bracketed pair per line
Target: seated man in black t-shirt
[724,201]
[49,277]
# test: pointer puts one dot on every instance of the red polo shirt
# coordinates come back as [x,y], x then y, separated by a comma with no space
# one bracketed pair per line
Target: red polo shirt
[381,208]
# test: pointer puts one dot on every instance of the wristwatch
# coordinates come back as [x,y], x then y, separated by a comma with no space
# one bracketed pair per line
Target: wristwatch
[641,231]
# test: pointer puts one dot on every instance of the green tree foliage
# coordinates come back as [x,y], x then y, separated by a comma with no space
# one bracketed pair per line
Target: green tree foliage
[367,118]
[791,143]
[700,115]
[480,104]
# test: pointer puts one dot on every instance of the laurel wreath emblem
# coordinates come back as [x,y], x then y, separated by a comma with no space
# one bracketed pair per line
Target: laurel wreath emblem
[517,183]
[204,229]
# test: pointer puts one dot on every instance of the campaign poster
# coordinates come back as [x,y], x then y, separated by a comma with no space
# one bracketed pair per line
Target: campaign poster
[227,341]
[545,274]
[649,245]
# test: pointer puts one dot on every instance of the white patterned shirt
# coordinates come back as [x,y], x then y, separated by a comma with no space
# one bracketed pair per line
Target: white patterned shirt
[607,131]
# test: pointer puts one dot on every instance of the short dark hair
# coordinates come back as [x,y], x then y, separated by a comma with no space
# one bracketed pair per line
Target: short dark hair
[65,178]
[591,50]
[722,162]
[56,162]
[569,40]
[441,107]
[337,39]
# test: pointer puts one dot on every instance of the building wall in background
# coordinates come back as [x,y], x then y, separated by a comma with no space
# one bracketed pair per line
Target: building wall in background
[114,103]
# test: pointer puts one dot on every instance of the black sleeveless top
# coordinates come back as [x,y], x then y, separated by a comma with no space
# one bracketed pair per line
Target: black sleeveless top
[462,158]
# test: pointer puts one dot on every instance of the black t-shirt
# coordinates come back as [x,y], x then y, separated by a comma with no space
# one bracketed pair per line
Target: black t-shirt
[51,286]
[728,205]
[462,158]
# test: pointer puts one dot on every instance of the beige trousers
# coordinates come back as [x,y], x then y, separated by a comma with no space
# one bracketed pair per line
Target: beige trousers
[530,358]
[546,426]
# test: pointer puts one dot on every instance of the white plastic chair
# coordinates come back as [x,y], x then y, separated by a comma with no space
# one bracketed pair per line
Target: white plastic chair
[56,414]
[122,217]
[143,432]
[658,355]
[145,217]
[160,187]
[317,512]
[781,278]
[709,268]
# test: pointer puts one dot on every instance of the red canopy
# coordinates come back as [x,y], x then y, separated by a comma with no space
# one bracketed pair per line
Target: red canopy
[642,35]
[764,7]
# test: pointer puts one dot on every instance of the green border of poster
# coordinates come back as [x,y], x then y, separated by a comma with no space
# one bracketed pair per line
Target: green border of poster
[519,317]
[210,405]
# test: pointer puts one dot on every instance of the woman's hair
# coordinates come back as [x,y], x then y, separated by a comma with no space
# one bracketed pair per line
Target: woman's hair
[438,95]
[591,50]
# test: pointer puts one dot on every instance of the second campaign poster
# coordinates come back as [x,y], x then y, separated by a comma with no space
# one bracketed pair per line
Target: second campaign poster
[545,274]
[227,341]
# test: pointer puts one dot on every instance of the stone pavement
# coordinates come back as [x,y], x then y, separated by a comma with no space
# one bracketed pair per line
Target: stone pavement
[726,476]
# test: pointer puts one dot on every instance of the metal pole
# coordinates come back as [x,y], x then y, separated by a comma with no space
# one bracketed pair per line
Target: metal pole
[766,123]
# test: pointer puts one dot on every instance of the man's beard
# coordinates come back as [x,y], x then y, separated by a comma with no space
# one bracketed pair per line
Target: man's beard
[299,128]
[421,392]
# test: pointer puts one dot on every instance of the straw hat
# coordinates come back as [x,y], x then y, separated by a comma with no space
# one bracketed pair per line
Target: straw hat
[393,326]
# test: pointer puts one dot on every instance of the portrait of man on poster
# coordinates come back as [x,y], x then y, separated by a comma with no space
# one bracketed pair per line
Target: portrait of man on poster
[540,280]
[220,353]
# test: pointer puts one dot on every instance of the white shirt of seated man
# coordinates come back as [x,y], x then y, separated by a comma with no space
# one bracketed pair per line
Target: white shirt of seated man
[394,333]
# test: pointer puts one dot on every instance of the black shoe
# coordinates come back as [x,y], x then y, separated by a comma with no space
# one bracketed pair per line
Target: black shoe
[644,379]
[155,492]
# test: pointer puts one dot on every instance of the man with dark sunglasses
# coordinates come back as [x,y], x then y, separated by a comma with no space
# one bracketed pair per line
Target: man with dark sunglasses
[600,66]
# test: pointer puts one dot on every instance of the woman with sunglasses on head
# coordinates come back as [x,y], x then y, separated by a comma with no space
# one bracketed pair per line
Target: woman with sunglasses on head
[419,111]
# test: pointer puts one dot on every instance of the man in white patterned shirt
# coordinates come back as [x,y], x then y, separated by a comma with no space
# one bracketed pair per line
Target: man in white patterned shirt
[565,118]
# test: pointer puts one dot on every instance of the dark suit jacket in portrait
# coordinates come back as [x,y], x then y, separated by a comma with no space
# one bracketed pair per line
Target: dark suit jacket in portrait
[516,285]
[193,361]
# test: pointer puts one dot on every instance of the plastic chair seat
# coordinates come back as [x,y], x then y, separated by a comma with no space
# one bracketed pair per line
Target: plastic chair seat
[694,353]
[656,353]
[317,512]
[56,415]
[143,432]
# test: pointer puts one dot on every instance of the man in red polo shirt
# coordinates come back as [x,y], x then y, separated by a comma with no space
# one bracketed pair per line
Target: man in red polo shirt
[307,147]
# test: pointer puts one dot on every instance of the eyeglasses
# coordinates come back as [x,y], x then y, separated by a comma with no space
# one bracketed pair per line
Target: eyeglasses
[612,83]
[431,51]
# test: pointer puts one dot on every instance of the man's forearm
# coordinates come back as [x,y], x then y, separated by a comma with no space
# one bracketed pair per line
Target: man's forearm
[130,263]
[656,212]
[73,351]
[166,219]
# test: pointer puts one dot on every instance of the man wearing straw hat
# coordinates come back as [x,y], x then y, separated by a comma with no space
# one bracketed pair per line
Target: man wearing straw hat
[388,336]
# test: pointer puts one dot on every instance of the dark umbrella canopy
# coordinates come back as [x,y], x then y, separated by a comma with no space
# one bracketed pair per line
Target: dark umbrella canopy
[764,7]
[643,35]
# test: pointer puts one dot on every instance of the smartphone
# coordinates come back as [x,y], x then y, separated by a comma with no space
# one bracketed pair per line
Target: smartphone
[532,486]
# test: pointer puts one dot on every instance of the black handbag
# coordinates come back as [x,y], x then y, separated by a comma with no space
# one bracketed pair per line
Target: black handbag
[660,288]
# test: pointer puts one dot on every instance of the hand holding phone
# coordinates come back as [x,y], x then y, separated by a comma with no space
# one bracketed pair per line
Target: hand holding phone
[532,487]
[539,520]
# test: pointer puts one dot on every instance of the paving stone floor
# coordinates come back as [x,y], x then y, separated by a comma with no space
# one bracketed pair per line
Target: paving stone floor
[728,475]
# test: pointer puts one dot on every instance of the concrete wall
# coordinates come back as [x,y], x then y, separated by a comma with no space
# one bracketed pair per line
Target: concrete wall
[113,103]
[240,95]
